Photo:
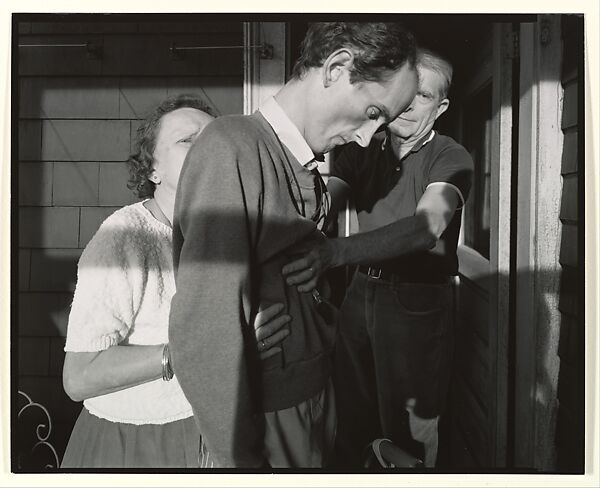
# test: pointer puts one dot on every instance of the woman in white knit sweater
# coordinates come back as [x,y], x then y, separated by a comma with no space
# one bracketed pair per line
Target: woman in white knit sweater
[135,413]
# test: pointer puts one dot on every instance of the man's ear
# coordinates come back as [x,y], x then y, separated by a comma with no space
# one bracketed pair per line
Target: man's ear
[442,107]
[335,64]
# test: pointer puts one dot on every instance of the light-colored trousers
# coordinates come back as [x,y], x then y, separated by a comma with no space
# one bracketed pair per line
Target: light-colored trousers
[301,436]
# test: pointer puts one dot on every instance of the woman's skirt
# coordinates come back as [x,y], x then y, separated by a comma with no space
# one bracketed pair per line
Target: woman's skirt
[100,443]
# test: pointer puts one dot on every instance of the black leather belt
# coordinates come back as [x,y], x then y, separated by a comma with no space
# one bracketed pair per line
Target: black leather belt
[386,275]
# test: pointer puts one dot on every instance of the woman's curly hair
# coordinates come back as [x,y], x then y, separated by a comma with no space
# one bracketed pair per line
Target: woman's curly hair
[141,162]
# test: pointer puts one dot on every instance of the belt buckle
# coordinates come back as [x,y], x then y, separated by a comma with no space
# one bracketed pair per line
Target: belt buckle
[374,273]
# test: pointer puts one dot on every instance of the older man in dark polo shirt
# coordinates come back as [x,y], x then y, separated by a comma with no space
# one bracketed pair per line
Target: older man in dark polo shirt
[393,355]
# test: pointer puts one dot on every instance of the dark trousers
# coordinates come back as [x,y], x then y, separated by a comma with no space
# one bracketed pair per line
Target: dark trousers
[394,346]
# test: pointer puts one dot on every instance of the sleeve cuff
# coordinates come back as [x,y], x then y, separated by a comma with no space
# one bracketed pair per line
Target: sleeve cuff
[94,345]
[445,183]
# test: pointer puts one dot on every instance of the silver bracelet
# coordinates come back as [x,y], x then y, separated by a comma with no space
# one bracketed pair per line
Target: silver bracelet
[167,370]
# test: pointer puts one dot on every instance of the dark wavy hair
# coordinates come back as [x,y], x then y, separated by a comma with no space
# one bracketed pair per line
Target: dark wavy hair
[379,48]
[141,162]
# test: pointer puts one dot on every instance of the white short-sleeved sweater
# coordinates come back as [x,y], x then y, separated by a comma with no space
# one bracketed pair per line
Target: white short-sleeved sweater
[125,284]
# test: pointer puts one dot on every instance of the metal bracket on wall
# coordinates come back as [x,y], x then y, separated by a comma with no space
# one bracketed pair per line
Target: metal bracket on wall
[512,46]
[178,52]
[545,32]
[93,51]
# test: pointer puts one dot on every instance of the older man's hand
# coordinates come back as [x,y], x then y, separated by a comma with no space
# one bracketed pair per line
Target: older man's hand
[311,258]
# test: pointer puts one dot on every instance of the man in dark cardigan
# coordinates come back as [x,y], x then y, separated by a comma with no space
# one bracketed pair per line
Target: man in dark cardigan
[249,190]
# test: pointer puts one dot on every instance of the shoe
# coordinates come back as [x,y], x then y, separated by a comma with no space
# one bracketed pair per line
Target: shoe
[383,453]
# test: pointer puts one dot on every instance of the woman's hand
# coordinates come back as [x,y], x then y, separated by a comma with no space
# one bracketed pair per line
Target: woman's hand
[268,327]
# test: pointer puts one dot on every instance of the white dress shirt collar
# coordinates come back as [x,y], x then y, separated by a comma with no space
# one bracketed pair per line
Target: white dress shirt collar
[288,133]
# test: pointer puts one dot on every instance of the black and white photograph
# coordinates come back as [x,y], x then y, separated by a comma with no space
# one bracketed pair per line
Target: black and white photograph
[301,243]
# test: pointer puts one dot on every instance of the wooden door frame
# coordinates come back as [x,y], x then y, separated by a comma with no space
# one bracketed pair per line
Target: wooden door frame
[263,77]
[524,411]
[493,274]
[500,219]
[537,238]
[517,278]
